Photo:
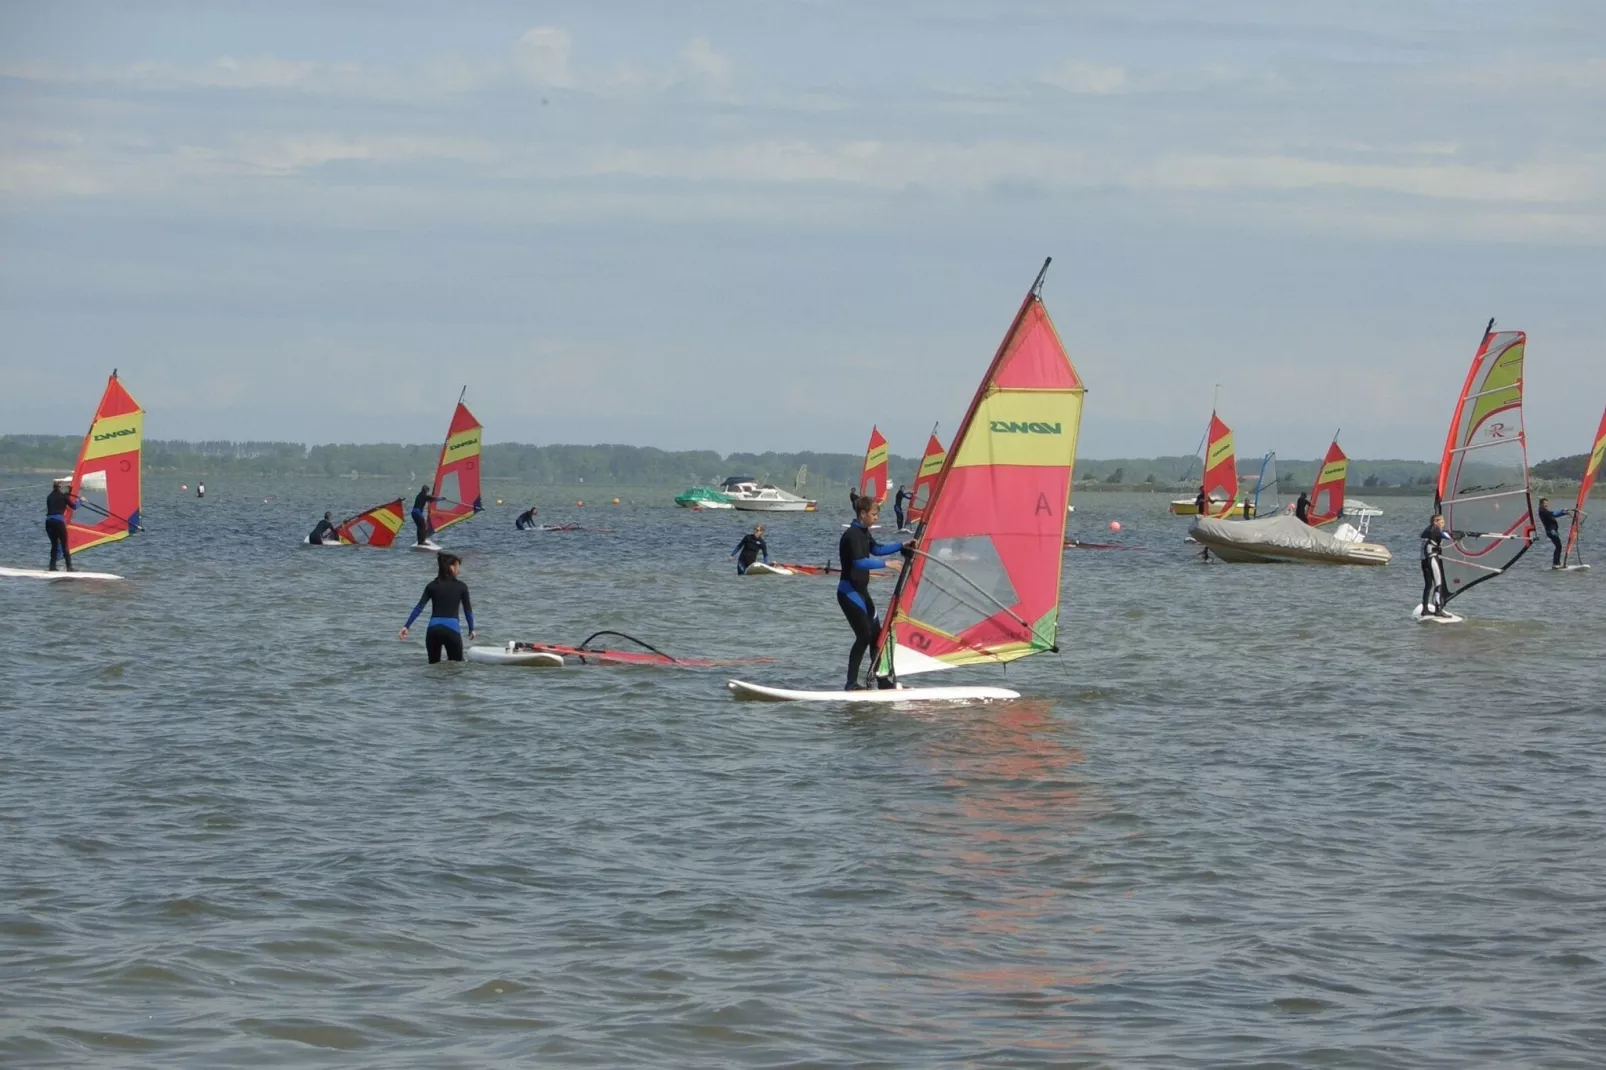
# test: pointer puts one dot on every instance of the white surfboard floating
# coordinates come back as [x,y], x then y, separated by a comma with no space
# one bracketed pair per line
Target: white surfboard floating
[330,542]
[46,574]
[760,568]
[509,655]
[741,689]
[1572,568]
[1448,618]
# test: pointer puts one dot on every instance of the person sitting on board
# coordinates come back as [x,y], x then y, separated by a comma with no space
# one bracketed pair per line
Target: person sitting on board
[326,526]
[898,499]
[1302,508]
[1548,519]
[57,503]
[445,595]
[750,548]
[860,555]
[525,519]
[1434,591]
[421,514]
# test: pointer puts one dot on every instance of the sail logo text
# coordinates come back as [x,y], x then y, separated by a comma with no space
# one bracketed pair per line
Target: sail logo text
[1016,427]
[462,445]
[1497,430]
[116,434]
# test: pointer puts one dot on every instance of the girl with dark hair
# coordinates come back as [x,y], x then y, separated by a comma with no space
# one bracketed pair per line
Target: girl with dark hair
[446,595]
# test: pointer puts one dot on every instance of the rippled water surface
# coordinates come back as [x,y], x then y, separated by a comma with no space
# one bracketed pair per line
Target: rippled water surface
[1249,815]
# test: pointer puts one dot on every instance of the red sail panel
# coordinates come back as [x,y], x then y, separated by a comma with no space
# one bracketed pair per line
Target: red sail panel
[1483,476]
[984,585]
[106,480]
[1327,496]
[873,479]
[376,527]
[1591,470]
[457,476]
[926,479]
[1221,469]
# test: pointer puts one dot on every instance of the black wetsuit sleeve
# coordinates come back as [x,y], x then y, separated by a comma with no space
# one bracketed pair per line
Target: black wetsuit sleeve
[423,600]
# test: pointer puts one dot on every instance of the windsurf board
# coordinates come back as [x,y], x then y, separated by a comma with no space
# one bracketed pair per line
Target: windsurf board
[741,689]
[1448,618]
[508,655]
[759,568]
[46,574]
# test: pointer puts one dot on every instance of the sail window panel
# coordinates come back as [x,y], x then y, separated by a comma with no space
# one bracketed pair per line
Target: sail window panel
[962,583]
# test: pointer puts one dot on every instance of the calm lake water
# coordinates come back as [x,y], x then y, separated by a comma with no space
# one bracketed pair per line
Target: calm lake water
[1251,815]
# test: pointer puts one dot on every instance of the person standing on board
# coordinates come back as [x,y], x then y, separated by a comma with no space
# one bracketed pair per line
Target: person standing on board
[200,489]
[751,546]
[57,503]
[860,555]
[326,526]
[1302,508]
[1434,591]
[1201,502]
[525,519]
[1548,519]
[898,499]
[446,595]
[421,514]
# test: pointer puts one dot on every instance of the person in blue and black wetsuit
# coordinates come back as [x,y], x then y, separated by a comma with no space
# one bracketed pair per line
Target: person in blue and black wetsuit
[56,506]
[1548,519]
[326,526]
[446,595]
[898,499]
[750,549]
[861,555]
[421,514]
[1434,590]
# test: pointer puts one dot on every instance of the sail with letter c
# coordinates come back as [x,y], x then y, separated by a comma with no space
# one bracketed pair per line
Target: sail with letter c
[1591,471]
[1483,475]
[1327,495]
[873,479]
[376,527]
[106,480]
[983,585]
[926,478]
[1221,468]
[457,476]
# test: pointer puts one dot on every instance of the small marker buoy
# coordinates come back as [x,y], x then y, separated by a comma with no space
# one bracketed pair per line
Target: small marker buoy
[580,504]
[616,501]
[499,501]
[1115,525]
[183,486]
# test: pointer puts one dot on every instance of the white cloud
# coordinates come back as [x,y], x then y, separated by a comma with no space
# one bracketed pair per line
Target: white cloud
[542,57]
[707,68]
[1082,77]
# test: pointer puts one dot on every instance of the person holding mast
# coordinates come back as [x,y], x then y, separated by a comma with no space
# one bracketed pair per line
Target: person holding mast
[860,555]
[1548,519]
[57,503]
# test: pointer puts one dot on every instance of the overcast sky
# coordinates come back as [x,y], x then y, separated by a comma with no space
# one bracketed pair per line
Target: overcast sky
[751,224]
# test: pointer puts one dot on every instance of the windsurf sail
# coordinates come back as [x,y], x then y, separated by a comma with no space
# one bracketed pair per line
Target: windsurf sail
[1327,496]
[1221,468]
[1483,475]
[457,476]
[378,526]
[983,584]
[1591,470]
[106,480]
[1268,499]
[926,478]
[647,655]
[873,479]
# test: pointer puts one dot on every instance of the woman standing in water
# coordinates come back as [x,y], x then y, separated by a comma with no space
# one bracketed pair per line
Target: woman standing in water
[446,595]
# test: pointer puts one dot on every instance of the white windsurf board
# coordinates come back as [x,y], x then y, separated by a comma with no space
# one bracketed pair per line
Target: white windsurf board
[759,568]
[331,542]
[46,574]
[428,547]
[507,655]
[741,689]
[1420,617]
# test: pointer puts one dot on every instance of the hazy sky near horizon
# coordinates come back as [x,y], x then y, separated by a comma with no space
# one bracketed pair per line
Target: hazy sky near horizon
[754,224]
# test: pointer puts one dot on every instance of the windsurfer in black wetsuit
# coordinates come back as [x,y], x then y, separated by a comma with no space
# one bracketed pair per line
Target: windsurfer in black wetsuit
[1552,532]
[1201,502]
[1302,508]
[326,526]
[525,519]
[860,555]
[421,505]
[57,503]
[750,549]
[1435,593]
[446,595]
[898,499]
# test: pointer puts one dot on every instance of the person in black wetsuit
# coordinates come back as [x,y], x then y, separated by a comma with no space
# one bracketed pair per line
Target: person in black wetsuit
[1434,590]
[421,514]
[1201,502]
[860,555]
[898,499]
[525,519]
[326,526]
[750,549]
[1548,519]
[57,503]
[445,595]
[1302,508]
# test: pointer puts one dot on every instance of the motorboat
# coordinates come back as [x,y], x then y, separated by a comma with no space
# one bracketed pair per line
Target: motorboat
[702,498]
[1286,539]
[747,493]
[1188,507]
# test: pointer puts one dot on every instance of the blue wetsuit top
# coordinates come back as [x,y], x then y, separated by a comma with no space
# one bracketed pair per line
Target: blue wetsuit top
[861,555]
[1548,518]
[445,597]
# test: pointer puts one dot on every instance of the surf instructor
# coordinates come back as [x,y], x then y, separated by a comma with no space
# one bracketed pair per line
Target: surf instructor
[57,502]
[861,555]
[421,514]
[446,595]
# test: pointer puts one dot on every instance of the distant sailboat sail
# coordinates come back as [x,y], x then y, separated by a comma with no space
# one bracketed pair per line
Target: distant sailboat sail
[457,476]
[1591,471]
[106,481]
[984,583]
[377,527]
[1221,467]
[1268,499]
[873,479]
[1327,496]
[926,478]
[1483,475]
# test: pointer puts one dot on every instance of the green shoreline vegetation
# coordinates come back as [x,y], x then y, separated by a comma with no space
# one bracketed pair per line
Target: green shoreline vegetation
[646,466]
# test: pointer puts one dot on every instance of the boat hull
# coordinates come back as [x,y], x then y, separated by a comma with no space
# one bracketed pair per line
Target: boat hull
[1282,540]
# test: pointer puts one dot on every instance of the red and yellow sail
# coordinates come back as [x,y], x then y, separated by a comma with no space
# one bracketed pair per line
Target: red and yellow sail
[873,478]
[457,476]
[926,478]
[378,526]
[1327,496]
[1221,469]
[106,480]
[984,584]
[1591,470]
